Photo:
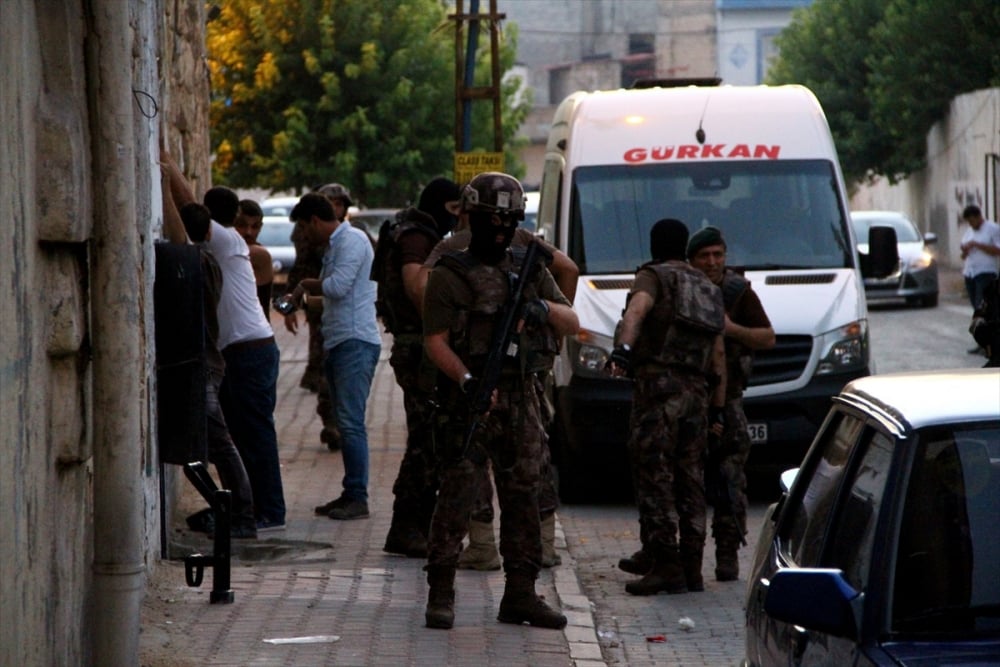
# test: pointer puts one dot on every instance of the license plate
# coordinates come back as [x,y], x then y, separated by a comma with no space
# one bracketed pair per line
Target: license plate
[758,433]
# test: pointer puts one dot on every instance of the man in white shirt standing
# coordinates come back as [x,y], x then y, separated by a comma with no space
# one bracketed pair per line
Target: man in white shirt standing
[981,252]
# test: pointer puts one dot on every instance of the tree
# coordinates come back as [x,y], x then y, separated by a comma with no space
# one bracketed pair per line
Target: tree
[825,49]
[923,54]
[886,70]
[307,92]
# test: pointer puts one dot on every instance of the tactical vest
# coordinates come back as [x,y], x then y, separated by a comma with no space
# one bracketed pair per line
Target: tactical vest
[472,334]
[680,329]
[399,315]
[739,357]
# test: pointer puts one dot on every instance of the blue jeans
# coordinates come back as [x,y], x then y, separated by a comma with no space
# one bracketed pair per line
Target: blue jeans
[976,286]
[248,395]
[349,368]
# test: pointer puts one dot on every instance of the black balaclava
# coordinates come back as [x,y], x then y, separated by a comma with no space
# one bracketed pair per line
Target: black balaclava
[483,244]
[668,240]
[434,196]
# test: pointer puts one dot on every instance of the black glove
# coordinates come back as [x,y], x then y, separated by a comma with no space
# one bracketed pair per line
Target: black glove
[621,357]
[716,416]
[535,313]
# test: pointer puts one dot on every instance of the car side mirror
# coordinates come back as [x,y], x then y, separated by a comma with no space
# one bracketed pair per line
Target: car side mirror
[816,599]
[883,253]
[930,238]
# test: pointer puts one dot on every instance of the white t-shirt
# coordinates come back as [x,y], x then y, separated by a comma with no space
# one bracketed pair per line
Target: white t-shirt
[241,318]
[977,261]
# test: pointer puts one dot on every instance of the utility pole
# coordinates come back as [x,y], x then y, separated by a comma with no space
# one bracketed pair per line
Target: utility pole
[467,26]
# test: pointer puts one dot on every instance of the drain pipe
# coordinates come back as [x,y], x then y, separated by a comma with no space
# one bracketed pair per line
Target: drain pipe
[118,340]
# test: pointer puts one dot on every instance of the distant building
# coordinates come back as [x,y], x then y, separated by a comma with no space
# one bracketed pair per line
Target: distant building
[569,45]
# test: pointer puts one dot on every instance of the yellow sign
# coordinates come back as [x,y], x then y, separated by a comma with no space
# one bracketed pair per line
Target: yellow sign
[468,165]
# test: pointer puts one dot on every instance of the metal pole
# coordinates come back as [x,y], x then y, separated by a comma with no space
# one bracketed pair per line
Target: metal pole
[470,75]
[118,335]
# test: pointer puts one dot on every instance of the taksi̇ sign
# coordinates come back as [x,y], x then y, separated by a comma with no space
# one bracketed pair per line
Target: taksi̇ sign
[468,165]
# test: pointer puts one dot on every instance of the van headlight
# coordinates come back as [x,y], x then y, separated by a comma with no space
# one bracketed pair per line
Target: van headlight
[588,352]
[844,349]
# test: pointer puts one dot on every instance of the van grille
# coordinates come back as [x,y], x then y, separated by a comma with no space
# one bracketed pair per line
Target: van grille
[611,283]
[801,279]
[784,362]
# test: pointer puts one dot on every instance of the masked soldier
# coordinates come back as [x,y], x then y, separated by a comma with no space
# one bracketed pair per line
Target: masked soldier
[403,246]
[670,341]
[467,293]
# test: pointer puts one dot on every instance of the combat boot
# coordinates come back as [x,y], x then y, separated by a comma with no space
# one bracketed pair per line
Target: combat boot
[520,604]
[481,554]
[691,564]
[666,575]
[640,563]
[549,556]
[727,563]
[404,539]
[440,612]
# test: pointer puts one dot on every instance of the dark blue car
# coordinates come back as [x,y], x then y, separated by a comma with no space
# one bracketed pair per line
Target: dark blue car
[885,547]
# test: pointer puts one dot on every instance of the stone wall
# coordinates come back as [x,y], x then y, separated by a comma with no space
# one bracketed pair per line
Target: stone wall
[83,104]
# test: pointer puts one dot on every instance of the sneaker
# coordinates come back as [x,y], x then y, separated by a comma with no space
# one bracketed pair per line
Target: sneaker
[326,508]
[353,509]
[243,533]
[267,525]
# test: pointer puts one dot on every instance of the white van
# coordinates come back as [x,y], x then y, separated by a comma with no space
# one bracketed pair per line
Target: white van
[759,163]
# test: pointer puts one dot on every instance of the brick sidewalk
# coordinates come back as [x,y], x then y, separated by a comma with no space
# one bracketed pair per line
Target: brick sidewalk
[331,581]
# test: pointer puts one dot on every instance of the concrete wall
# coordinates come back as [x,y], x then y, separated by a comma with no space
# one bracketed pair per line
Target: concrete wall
[82,106]
[956,174]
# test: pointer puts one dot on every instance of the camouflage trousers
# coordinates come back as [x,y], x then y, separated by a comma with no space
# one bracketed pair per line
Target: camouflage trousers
[510,441]
[548,495]
[729,524]
[416,483]
[314,379]
[666,450]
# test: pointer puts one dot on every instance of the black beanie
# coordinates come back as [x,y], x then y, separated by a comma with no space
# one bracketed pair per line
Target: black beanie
[433,198]
[703,238]
[668,239]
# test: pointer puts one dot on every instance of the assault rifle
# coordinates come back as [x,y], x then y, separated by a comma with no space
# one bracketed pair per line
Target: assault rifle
[500,342]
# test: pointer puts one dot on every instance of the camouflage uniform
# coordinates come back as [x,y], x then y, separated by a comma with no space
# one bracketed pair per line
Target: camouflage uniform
[671,360]
[729,518]
[416,483]
[512,434]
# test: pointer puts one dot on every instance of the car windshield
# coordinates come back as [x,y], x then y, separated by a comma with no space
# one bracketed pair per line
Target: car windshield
[947,574]
[275,234]
[773,214]
[906,232]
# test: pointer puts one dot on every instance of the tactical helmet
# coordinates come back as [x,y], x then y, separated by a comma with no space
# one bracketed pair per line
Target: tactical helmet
[336,191]
[494,192]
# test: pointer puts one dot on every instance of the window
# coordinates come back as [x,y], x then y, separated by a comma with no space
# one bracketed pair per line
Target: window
[853,533]
[806,527]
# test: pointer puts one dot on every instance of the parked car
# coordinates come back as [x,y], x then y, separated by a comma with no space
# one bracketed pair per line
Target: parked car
[278,208]
[884,548]
[916,279]
[370,219]
[276,236]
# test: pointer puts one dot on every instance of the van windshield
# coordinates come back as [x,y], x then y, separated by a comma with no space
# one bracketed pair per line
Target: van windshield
[773,214]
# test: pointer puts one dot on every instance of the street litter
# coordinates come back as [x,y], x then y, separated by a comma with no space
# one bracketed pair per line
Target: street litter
[311,639]
[685,624]
[657,639]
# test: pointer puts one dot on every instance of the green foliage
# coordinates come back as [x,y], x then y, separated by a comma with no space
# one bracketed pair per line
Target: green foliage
[307,92]
[886,70]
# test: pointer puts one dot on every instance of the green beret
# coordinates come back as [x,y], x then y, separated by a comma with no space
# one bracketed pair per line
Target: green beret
[704,238]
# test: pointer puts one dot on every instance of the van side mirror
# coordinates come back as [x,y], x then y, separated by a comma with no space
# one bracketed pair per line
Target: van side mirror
[883,253]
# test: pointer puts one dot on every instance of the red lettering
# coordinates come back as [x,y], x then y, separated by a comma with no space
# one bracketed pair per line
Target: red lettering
[663,152]
[709,151]
[740,150]
[635,155]
[770,152]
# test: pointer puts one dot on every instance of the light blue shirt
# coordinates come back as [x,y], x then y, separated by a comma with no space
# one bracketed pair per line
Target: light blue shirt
[348,294]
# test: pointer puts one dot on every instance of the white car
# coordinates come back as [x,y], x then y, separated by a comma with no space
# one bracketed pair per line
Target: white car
[916,278]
